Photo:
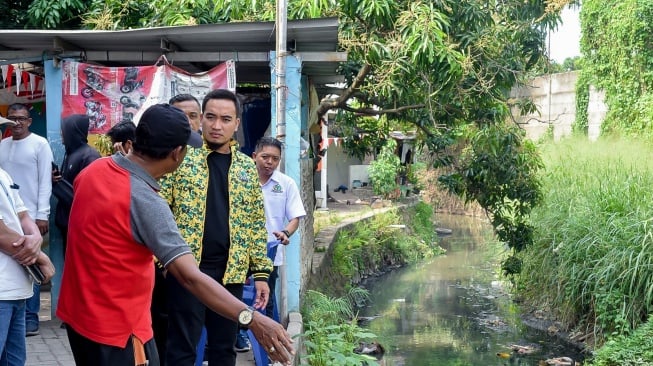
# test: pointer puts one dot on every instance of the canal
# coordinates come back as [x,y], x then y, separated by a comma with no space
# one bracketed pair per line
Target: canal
[454,309]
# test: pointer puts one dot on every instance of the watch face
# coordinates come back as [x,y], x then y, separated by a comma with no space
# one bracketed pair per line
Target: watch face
[245,317]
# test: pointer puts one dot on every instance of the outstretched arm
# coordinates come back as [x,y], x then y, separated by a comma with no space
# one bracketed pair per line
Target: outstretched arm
[269,333]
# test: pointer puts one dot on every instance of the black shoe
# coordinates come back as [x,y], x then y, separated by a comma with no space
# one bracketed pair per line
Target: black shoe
[32,332]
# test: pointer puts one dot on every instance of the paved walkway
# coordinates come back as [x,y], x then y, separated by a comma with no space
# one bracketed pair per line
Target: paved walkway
[51,347]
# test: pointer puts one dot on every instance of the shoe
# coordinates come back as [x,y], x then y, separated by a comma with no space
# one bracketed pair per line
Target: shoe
[242,343]
[32,332]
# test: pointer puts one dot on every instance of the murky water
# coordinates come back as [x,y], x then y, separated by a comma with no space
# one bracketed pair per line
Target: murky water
[452,310]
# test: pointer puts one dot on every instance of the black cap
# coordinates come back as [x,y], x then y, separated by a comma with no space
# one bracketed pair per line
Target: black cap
[166,126]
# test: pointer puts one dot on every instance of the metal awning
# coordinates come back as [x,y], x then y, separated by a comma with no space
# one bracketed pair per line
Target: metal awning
[192,48]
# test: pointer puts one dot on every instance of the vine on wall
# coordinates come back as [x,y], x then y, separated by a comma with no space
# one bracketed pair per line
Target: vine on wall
[618,53]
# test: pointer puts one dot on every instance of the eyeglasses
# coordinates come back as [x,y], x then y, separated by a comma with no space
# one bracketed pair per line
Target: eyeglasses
[18,119]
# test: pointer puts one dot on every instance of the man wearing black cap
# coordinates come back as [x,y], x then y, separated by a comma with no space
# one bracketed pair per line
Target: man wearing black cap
[117,222]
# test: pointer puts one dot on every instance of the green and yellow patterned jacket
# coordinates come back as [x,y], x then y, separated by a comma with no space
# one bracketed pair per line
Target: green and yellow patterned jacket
[186,189]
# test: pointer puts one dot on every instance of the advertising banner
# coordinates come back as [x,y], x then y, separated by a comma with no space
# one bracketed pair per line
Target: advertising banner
[109,95]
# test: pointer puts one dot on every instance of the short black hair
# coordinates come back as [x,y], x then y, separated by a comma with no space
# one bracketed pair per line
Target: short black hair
[222,94]
[122,132]
[268,141]
[183,98]
[18,107]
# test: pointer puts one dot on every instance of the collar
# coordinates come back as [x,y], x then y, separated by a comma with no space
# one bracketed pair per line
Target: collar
[273,178]
[135,169]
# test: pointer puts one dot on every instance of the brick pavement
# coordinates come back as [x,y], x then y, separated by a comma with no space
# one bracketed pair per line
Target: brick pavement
[51,347]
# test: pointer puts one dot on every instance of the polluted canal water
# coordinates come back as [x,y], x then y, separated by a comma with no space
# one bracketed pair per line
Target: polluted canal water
[454,310]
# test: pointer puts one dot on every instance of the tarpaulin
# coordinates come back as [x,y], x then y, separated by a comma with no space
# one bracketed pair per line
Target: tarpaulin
[109,95]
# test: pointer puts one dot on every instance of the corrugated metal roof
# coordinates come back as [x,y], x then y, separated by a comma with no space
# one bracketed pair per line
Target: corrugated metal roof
[193,48]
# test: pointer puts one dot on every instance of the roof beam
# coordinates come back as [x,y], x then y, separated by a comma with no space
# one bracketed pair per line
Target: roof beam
[168,46]
[143,56]
[322,56]
[60,45]
[327,79]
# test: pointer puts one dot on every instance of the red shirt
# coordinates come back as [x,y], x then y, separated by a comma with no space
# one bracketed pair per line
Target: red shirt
[117,221]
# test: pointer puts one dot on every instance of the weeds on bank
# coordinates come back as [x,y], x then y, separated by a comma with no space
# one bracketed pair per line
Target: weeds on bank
[634,350]
[379,242]
[593,257]
[331,330]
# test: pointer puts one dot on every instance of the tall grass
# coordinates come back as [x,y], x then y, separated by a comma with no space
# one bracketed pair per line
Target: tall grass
[592,261]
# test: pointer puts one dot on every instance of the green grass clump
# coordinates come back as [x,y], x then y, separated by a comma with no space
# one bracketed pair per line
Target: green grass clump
[592,260]
[375,243]
[636,349]
[332,332]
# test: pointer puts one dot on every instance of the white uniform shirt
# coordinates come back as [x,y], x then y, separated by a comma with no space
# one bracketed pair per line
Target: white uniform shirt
[282,204]
[29,163]
[15,284]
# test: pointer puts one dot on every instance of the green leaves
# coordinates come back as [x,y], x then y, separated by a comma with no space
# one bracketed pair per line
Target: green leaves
[55,14]
[384,169]
[618,53]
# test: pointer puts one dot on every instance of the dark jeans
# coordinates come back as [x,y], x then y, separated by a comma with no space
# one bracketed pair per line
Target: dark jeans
[159,311]
[32,308]
[186,317]
[89,353]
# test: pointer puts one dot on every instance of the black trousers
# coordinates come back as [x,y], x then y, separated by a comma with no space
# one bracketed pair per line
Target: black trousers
[186,317]
[272,283]
[89,353]
[159,311]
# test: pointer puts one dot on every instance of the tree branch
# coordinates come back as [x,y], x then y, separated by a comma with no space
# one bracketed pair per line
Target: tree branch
[341,100]
[376,112]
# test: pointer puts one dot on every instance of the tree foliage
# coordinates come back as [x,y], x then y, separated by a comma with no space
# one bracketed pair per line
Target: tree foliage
[438,65]
[618,59]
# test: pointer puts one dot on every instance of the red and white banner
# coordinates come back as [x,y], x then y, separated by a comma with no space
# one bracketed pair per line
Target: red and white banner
[19,86]
[109,95]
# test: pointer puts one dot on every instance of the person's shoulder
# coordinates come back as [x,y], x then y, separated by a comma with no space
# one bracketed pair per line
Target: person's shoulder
[282,178]
[37,139]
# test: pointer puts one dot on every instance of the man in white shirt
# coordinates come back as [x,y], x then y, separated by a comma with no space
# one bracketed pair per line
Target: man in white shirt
[27,158]
[283,210]
[20,244]
[283,203]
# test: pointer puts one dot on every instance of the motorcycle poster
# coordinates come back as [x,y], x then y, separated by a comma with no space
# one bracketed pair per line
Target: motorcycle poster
[110,95]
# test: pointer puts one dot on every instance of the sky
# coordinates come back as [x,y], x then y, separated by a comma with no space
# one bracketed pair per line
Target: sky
[565,42]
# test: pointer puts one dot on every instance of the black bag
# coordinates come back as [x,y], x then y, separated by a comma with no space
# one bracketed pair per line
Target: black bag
[63,190]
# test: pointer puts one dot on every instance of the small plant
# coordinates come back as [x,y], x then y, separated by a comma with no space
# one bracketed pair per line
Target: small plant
[103,145]
[383,170]
[331,330]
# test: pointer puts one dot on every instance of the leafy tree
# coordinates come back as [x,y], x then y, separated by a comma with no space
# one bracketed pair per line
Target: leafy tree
[13,14]
[438,65]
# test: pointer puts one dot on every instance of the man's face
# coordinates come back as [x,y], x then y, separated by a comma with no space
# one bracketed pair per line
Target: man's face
[23,121]
[219,123]
[267,160]
[192,111]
